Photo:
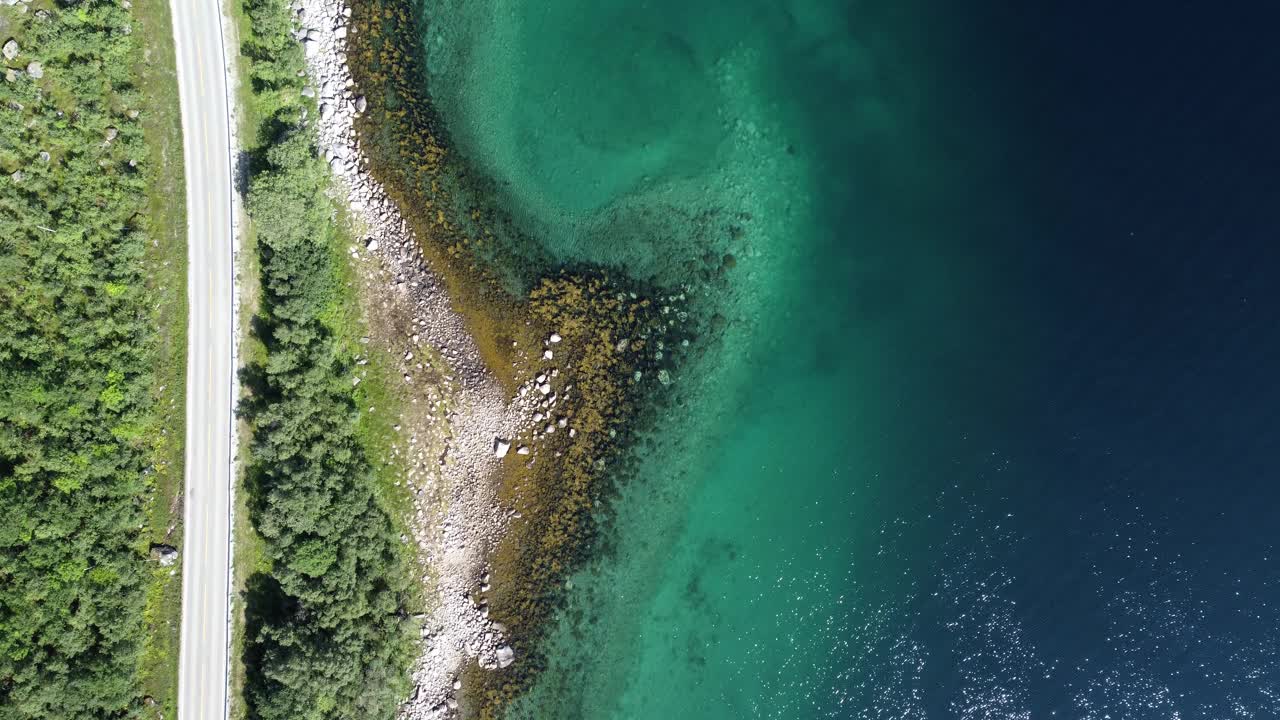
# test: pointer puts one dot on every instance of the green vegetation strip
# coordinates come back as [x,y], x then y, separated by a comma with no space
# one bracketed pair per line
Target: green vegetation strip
[327,632]
[167,282]
[92,283]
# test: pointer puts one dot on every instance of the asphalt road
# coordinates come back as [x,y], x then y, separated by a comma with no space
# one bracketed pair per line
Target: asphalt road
[202,88]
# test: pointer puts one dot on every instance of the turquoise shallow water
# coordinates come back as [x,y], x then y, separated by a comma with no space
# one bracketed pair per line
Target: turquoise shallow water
[987,435]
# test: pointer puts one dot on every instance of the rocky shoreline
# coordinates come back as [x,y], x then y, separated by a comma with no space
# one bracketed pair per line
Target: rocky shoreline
[453,467]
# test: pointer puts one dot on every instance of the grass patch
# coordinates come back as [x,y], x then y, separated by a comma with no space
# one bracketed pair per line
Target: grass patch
[167,277]
[248,556]
[380,388]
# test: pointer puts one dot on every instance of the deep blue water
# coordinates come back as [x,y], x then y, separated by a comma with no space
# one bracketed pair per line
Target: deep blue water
[1133,474]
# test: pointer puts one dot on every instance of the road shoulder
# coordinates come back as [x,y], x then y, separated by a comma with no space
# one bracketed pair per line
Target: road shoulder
[167,272]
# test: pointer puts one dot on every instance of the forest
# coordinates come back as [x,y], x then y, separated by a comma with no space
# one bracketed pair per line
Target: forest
[326,629]
[79,426]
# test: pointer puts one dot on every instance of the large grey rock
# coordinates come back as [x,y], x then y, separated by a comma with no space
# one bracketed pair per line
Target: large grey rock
[11,49]
[35,70]
[166,554]
[506,656]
